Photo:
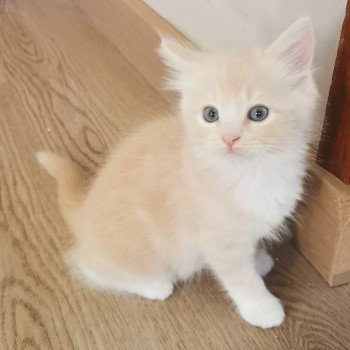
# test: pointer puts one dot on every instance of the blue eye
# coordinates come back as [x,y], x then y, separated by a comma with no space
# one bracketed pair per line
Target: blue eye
[210,114]
[258,113]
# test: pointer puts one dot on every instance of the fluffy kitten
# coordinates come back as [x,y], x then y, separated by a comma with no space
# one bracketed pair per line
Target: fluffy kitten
[200,189]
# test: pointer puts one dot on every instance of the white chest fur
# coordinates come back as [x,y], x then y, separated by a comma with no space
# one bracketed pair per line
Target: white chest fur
[263,192]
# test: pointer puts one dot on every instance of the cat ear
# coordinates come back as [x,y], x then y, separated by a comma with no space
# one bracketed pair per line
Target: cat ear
[175,55]
[294,48]
[179,59]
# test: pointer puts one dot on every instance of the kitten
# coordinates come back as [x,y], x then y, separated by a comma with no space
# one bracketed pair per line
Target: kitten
[199,190]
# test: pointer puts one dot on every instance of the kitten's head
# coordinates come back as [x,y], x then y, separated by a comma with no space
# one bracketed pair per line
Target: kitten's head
[244,104]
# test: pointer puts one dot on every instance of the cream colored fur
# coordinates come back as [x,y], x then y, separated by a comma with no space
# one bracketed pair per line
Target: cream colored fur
[172,200]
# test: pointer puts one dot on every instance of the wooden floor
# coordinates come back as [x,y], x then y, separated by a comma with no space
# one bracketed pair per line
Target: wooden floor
[76,76]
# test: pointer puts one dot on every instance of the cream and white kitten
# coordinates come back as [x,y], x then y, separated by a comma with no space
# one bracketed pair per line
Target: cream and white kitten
[199,190]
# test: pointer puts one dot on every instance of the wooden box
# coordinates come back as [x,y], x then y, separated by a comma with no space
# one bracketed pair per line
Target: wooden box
[323,235]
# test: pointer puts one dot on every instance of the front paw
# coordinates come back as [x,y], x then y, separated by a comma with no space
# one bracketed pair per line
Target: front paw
[265,313]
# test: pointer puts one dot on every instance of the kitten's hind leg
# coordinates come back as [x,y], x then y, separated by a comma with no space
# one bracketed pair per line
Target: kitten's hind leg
[106,278]
[157,289]
[263,262]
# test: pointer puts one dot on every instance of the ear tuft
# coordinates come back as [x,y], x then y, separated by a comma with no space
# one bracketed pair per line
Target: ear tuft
[175,55]
[294,48]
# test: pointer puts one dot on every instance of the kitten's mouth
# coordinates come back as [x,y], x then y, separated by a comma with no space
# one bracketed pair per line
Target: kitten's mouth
[233,151]
[237,152]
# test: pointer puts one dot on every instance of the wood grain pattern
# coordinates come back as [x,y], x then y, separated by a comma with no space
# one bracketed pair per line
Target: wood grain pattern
[124,23]
[67,86]
[334,149]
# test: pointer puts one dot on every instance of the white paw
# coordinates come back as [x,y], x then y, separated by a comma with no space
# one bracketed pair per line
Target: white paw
[265,313]
[157,290]
[263,262]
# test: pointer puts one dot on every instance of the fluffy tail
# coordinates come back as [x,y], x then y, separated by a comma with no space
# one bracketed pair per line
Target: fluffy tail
[69,178]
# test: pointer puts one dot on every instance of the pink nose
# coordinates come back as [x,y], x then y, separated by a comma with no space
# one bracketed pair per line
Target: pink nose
[230,140]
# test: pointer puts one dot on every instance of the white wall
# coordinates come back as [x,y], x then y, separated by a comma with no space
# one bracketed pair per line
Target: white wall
[222,24]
